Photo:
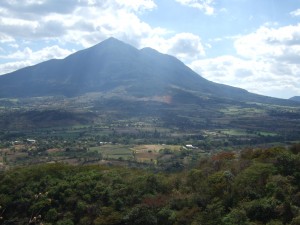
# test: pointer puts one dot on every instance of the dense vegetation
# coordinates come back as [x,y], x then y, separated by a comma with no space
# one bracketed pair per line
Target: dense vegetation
[260,186]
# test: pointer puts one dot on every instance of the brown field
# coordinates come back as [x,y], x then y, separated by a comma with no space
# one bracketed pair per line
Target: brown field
[155,148]
[54,150]
[150,153]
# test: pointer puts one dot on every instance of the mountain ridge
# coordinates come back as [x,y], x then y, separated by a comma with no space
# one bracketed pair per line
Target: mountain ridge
[295,98]
[111,65]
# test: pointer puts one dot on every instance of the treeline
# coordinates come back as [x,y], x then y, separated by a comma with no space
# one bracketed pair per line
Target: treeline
[260,186]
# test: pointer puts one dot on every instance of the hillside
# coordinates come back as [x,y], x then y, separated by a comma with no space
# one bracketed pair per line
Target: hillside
[115,67]
[295,98]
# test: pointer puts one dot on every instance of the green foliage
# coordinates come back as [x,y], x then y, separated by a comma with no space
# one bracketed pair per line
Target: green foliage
[213,213]
[166,216]
[261,209]
[108,216]
[262,188]
[237,217]
[65,222]
[251,182]
[141,215]
[295,148]
[296,221]
[51,215]
[288,164]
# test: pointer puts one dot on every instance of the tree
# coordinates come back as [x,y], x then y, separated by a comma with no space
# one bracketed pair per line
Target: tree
[237,217]
[65,222]
[251,182]
[141,215]
[262,210]
[51,215]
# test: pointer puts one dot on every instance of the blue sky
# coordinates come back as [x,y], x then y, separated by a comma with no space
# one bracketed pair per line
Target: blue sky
[252,44]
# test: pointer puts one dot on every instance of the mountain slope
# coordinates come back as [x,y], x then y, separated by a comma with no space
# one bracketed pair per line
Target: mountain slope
[106,66]
[113,66]
[295,98]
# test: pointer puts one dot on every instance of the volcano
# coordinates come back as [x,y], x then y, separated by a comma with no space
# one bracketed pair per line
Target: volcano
[114,66]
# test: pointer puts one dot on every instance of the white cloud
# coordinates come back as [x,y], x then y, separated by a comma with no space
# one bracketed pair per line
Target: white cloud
[295,13]
[27,57]
[267,62]
[270,42]
[12,66]
[203,5]
[5,38]
[185,46]
[137,5]
[81,22]
[255,76]
[61,20]
[224,69]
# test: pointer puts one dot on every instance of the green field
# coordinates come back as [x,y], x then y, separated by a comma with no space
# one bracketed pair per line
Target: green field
[110,151]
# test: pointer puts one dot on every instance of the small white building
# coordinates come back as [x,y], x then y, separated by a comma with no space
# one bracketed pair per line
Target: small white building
[31,141]
[190,147]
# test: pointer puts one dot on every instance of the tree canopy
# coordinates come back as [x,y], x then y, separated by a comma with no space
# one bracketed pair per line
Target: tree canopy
[253,187]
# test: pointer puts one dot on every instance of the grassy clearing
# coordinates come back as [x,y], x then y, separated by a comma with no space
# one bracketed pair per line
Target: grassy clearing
[235,132]
[13,100]
[264,133]
[110,151]
[232,111]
